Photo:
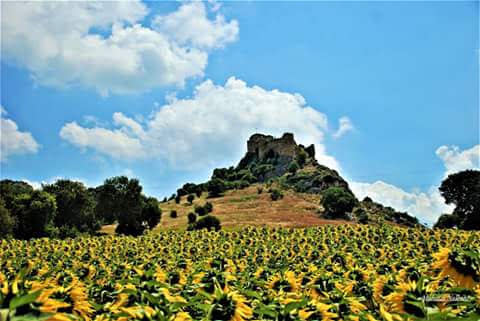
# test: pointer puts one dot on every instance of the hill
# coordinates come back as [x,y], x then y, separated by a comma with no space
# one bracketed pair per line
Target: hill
[243,195]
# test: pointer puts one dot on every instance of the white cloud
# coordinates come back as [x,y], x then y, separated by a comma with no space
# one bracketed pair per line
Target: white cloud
[55,42]
[426,206]
[13,141]
[344,125]
[209,129]
[456,160]
[116,143]
[189,26]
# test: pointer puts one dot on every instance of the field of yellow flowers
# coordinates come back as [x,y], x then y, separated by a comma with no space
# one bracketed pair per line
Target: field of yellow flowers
[348,272]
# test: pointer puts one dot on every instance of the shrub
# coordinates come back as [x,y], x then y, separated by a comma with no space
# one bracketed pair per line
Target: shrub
[302,157]
[200,210]
[198,192]
[275,194]
[7,223]
[208,207]
[164,200]
[208,222]
[337,202]
[293,167]
[173,214]
[259,190]
[177,199]
[215,187]
[192,218]
[361,215]
[190,198]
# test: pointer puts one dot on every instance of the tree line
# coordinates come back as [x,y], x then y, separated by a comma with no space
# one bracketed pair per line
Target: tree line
[68,208]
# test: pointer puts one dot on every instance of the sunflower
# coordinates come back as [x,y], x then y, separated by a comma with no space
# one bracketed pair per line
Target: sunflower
[181,316]
[229,306]
[317,311]
[286,282]
[407,299]
[459,265]
[382,287]
[80,300]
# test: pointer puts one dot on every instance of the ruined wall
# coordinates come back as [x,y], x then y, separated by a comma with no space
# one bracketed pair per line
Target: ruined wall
[261,145]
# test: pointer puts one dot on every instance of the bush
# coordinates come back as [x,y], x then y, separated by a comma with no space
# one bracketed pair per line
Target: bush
[361,215]
[275,194]
[215,187]
[192,218]
[151,213]
[337,202]
[208,207]
[293,167]
[208,222]
[177,199]
[190,198]
[259,190]
[302,157]
[198,192]
[200,210]
[173,214]
[7,223]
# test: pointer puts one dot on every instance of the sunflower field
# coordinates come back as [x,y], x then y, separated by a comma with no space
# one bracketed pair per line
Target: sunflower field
[347,272]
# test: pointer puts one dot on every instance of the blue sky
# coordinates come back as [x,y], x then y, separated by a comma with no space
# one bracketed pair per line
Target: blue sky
[167,91]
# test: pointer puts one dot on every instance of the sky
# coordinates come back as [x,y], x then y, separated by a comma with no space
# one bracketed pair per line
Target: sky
[167,91]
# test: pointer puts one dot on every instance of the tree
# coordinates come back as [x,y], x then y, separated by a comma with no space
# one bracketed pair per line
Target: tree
[34,214]
[173,214]
[293,167]
[337,202]
[192,218]
[208,207]
[208,222]
[178,198]
[190,198]
[7,223]
[275,194]
[215,187]
[75,205]
[121,198]
[200,210]
[151,212]
[446,221]
[463,190]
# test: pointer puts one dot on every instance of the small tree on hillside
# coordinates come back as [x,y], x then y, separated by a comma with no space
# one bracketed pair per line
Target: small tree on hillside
[337,202]
[190,198]
[215,187]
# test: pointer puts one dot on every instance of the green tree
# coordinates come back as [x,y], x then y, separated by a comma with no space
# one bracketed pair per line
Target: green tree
[208,207]
[200,210]
[34,214]
[463,190]
[173,214]
[293,167]
[151,212]
[121,198]
[75,205]
[190,198]
[337,202]
[192,218]
[215,187]
[7,223]
[208,222]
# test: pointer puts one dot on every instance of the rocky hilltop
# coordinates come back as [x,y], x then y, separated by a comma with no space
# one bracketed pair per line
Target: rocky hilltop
[281,164]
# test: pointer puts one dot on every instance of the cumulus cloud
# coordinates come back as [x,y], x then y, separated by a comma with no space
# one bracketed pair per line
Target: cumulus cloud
[344,125]
[209,129]
[13,141]
[426,206]
[189,26]
[55,42]
[456,160]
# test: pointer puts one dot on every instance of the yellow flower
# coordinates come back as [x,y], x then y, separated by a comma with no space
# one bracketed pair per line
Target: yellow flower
[446,261]
[172,298]
[182,316]
[59,317]
[80,300]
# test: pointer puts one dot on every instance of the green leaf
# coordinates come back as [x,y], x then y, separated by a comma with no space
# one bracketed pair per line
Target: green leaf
[23,300]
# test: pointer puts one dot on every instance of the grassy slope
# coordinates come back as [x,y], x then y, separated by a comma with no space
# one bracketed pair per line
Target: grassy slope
[246,207]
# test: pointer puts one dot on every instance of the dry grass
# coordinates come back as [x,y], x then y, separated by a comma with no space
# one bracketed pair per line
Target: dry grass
[246,207]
